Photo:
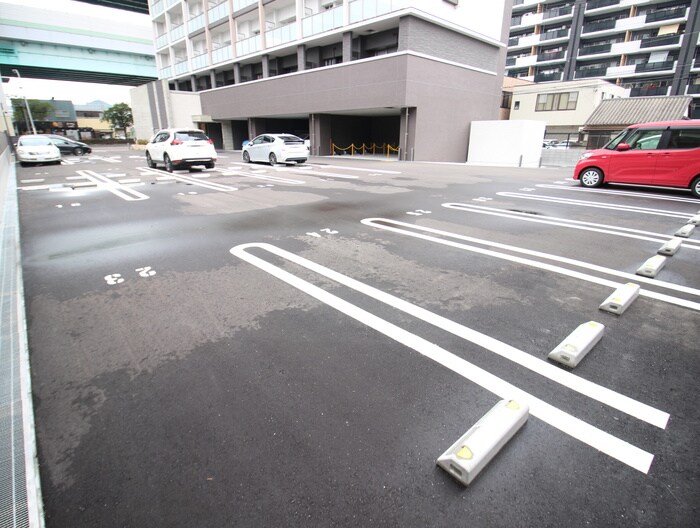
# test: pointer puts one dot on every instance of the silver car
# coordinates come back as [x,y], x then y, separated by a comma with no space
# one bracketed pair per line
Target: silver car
[276,148]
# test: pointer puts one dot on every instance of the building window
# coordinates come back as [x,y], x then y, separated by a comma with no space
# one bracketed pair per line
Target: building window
[516,105]
[556,101]
[506,99]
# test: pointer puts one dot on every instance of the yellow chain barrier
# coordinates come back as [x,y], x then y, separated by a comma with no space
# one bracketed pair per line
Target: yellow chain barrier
[384,148]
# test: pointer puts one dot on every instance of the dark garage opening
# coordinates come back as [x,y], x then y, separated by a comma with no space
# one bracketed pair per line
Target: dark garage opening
[298,127]
[239,133]
[367,130]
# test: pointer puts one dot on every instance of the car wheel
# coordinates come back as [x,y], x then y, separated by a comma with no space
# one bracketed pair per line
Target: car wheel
[23,164]
[695,187]
[591,177]
[246,157]
[273,158]
[78,151]
[149,161]
[209,165]
[57,162]
[168,163]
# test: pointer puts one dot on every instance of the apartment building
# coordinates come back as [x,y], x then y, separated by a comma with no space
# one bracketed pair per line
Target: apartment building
[651,47]
[410,73]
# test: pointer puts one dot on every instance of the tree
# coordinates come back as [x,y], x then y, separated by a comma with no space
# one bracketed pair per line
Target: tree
[40,110]
[119,115]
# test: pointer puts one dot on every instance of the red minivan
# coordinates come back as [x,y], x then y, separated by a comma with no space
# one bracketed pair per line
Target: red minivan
[665,153]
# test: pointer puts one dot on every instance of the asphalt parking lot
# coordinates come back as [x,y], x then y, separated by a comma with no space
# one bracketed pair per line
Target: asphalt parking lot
[296,346]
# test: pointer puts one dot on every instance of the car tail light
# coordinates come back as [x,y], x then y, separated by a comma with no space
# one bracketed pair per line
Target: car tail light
[210,141]
[176,142]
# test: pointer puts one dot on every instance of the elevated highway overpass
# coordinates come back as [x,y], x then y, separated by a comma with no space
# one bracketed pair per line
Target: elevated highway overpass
[88,45]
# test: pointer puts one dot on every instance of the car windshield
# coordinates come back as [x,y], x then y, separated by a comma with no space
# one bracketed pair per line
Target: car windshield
[33,141]
[614,142]
[191,135]
[291,140]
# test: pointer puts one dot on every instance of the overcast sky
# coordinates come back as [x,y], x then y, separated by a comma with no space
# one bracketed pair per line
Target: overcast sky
[79,93]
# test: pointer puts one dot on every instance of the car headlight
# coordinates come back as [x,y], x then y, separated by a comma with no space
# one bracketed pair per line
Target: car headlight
[585,155]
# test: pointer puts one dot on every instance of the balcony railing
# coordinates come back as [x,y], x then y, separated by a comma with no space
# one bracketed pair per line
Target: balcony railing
[170,3]
[653,66]
[513,41]
[597,4]
[603,25]
[594,50]
[323,21]
[195,23]
[542,57]
[177,32]
[364,9]
[248,46]
[547,77]
[241,4]
[281,35]
[647,91]
[557,33]
[557,12]
[510,61]
[157,8]
[591,72]
[166,72]
[161,40]
[218,12]
[665,14]
[221,54]
[200,61]
[664,40]
[181,67]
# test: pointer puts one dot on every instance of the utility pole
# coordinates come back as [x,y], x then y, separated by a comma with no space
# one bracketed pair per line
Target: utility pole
[26,105]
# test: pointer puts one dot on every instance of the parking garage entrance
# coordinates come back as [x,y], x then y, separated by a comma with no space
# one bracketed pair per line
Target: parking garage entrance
[354,134]
[331,134]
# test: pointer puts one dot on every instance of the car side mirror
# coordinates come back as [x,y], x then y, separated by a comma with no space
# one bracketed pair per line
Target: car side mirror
[622,147]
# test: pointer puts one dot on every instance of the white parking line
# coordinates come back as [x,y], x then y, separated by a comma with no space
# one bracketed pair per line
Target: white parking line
[382,171]
[623,193]
[269,178]
[194,181]
[586,433]
[111,159]
[599,205]
[126,193]
[410,231]
[320,173]
[571,224]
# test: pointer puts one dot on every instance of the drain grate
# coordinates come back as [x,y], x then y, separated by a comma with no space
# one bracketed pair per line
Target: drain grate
[20,496]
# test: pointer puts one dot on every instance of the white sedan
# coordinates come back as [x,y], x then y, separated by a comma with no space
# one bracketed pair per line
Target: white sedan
[276,148]
[36,149]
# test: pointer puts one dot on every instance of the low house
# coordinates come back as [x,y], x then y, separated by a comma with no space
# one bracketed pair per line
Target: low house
[90,120]
[563,106]
[614,115]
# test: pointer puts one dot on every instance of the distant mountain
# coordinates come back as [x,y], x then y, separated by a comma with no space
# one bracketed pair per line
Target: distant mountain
[94,105]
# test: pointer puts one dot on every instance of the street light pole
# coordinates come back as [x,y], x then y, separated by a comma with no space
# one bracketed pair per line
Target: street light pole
[26,105]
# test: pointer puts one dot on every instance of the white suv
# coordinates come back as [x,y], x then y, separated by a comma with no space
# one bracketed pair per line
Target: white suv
[180,148]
